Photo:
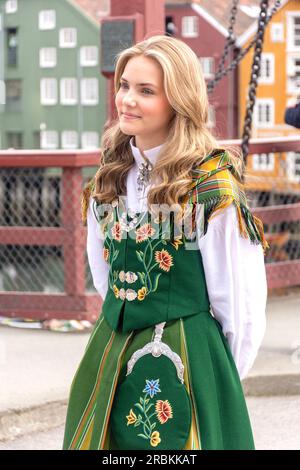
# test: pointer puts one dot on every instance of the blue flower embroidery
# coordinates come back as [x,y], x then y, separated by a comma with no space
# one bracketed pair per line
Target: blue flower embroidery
[152,387]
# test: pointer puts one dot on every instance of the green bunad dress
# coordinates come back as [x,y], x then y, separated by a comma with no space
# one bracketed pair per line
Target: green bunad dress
[155,279]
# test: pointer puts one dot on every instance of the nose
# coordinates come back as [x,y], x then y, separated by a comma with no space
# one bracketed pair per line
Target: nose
[129,99]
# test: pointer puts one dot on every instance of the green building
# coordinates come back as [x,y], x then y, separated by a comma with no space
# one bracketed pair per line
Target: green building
[52,93]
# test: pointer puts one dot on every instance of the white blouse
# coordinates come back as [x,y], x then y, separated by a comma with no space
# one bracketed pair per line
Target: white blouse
[234,270]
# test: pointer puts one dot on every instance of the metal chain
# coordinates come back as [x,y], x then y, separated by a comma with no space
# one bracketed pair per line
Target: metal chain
[230,40]
[222,73]
[255,69]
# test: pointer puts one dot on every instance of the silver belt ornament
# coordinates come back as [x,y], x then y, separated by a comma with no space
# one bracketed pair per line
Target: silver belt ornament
[157,348]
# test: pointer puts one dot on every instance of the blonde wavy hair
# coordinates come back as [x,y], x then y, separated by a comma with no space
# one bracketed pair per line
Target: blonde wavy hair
[189,139]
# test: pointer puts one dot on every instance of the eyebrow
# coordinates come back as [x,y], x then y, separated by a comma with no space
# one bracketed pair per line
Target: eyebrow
[141,84]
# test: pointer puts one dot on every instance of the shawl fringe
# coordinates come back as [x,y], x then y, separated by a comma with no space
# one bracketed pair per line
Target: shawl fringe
[250,226]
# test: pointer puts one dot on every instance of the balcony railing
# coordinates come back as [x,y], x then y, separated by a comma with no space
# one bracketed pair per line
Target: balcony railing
[43,264]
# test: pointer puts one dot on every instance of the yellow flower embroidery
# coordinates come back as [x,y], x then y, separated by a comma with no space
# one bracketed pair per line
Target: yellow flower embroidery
[155,439]
[131,418]
[116,291]
[142,293]
[177,242]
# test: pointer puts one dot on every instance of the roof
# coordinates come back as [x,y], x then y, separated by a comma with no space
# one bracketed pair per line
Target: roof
[218,10]
[95,9]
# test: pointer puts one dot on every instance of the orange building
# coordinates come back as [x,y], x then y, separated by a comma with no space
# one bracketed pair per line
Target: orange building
[279,86]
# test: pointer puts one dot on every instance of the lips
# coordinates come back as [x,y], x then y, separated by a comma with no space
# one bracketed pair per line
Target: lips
[131,115]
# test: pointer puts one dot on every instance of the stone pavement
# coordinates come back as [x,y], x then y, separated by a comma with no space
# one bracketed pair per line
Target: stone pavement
[37,367]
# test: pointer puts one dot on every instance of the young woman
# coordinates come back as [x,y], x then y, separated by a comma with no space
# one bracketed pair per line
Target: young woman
[198,297]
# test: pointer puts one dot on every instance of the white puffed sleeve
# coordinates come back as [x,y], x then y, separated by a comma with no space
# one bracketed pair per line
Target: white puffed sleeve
[237,286]
[95,242]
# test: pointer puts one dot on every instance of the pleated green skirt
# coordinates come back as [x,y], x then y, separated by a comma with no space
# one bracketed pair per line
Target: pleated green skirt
[220,419]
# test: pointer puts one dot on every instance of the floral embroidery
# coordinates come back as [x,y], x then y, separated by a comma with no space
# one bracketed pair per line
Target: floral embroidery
[177,243]
[130,294]
[131,418]
[142,293]
[105,254]
[116,291]
[144,232]
[163,412]
[164,259]
[116,232]
[155,439]
[152,387]
[122,294]
[130,277]
[148,257]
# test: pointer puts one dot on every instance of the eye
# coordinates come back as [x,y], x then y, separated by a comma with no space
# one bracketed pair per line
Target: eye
[150,92]
[122,84]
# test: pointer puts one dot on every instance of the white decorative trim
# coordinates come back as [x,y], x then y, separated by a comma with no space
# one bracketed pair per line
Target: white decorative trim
[157,348]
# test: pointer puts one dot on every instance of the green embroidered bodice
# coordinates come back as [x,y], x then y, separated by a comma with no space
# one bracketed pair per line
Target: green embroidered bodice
[152,277]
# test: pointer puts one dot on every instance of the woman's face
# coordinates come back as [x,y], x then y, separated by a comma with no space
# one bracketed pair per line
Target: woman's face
[142,94]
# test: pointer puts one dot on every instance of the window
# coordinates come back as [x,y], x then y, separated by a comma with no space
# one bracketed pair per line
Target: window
[68,91]
[49,140]
[48,57]
[293,166]
[170,27]
[211,122]
[13,95]
[277,32]
[293,74]
[47,19]
[266,75]
[12,47]
[90,140]
[263,162]
[67,37]
[293,30]
[14,140]
[264,112]
[208,66]
[11,6]
[89,56]
[296,31]
[89,91]
[48,90]
[69,140]
[190,26]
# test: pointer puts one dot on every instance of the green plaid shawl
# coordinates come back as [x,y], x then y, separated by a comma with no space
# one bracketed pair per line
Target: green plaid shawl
[215,184]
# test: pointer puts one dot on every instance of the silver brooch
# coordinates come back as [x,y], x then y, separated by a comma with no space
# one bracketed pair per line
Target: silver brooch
[143,177]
